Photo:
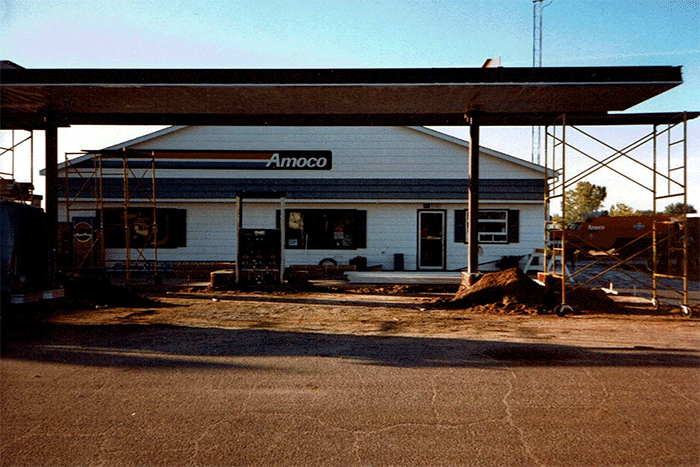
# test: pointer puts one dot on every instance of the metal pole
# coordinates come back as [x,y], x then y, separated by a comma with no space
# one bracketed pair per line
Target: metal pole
[537,20]
[239,218]
[100,209]
[668,158]
[68,171]
[546,199]
[563,213]
[51,196]
[156,279]
[12,159]
[685,210]
[127,234]
[282,237]
[31,158]
[473,215]
[654,243]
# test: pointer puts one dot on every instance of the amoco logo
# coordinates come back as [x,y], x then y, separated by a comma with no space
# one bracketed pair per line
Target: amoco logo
[309,160]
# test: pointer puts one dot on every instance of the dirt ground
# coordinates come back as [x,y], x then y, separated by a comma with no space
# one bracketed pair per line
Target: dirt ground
[388,311]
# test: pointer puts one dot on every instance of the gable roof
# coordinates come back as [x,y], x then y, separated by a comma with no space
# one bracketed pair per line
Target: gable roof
[427,131]
[483,149]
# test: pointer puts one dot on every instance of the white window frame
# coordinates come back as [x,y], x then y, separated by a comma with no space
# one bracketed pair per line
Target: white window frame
[493,236]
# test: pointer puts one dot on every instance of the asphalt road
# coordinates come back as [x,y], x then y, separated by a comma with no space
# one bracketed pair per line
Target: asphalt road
[134,395]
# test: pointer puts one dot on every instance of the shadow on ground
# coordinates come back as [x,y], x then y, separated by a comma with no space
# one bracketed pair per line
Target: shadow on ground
[167,346]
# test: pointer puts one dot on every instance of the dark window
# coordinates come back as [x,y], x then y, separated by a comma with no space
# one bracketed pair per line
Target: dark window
[513,226]
[326,229]
[495,226]
[171,228]
[460,226]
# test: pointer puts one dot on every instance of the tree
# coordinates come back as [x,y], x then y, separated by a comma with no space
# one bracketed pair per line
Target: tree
[677,209]
[621,209]
[583,201]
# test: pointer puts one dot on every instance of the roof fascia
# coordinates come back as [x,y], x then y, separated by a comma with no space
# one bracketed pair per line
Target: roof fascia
[483,149]
[75,160]
[146,137]
[320,76]
[89,154]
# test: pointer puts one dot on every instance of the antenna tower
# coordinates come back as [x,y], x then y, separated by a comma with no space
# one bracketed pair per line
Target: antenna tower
[537,7]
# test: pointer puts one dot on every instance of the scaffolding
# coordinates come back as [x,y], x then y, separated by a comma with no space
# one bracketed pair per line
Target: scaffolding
[10,188]
[664,178]
[140,233]
[137,173]
[82,236]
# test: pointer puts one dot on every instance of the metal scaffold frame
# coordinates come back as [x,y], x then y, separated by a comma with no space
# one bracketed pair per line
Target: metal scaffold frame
[139,189]
[668,181]
[138,182]
[93,256]
[12,189]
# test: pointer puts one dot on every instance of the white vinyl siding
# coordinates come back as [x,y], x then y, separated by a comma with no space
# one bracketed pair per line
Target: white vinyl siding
[363,153]
[358,152]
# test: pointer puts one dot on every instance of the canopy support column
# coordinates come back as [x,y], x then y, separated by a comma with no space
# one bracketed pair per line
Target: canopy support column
[51,196]
[473,214]
[239,222]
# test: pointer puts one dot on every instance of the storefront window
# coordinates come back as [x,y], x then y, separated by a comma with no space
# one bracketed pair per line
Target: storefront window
[326,229]
[171,228]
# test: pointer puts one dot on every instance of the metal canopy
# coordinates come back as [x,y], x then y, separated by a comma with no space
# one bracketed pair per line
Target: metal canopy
[48,98]
[37,98]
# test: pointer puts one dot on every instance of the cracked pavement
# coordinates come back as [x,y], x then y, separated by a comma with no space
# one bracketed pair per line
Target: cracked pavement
[573,392]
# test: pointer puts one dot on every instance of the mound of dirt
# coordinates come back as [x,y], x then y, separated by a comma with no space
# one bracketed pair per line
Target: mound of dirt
[507,288]
[591,300]
[512,291]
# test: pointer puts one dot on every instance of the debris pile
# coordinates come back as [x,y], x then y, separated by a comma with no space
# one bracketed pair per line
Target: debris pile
[512,291]
[592,300]
[505,291]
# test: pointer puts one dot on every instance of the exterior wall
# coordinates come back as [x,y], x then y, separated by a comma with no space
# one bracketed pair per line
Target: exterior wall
[358,152]
[211,233]
[413,166]
[531,237]
[391,228]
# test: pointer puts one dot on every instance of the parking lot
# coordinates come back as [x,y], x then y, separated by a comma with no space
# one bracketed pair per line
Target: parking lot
[346,379]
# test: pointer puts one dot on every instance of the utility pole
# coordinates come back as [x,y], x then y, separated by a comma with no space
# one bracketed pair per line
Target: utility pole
[537,7]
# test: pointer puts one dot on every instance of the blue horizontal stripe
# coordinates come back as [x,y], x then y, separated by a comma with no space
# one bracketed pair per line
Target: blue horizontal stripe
[399,189]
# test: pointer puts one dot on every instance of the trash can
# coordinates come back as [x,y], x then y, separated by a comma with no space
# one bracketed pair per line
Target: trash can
[398,261]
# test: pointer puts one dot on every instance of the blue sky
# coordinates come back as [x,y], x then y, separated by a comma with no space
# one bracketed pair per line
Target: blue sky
[362,34]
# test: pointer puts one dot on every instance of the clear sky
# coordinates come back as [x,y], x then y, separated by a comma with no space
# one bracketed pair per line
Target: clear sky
[361,34]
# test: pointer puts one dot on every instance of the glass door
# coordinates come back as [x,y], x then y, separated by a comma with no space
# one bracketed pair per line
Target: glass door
[431,239]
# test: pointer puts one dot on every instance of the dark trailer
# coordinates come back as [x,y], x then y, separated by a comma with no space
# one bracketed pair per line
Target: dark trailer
[24,257]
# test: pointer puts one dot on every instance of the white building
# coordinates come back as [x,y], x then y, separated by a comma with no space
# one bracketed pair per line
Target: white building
[373,192]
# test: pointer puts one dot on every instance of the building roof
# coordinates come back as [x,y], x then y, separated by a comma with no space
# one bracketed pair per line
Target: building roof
[129,144]
[483,149]
[35,98]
